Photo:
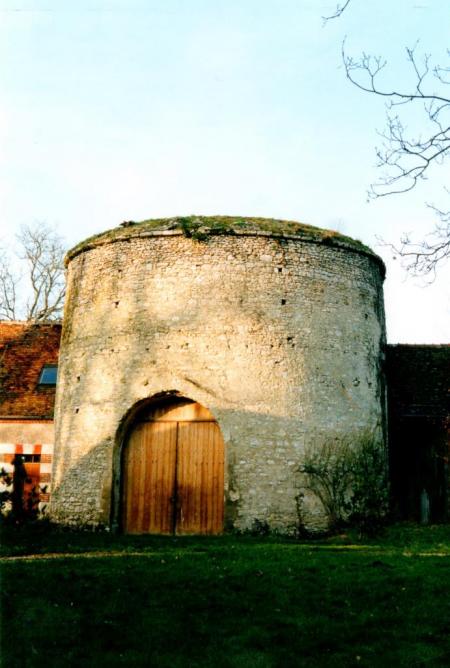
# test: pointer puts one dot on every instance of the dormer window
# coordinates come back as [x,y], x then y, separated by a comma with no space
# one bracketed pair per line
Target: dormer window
[48,376]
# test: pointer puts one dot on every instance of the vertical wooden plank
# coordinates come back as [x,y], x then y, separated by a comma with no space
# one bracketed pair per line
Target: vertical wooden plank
[184,495]
[149,478]
[166,478]
[200,467]
[129,477]
[140,470]
[134,476]
[147,481]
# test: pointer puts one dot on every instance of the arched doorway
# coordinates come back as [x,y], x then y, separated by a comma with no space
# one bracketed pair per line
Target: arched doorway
[173,471]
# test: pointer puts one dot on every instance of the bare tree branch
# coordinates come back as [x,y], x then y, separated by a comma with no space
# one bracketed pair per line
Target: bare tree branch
[41,252]
[424,258]
[406,158]
[8,289]
[340,9]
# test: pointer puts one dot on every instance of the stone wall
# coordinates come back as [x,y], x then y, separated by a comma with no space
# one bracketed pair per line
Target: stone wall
[280,338]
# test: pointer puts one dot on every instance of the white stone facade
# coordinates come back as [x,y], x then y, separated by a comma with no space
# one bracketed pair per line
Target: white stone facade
[280,338]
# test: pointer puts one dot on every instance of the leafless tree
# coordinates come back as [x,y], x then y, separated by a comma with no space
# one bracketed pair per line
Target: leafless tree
[34,291]
[405,157]
[8,289]
[423,258]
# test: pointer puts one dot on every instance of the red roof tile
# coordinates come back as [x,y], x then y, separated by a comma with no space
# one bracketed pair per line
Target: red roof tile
[24,349]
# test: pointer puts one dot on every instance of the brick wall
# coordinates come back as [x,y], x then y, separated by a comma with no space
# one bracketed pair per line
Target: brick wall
[24,350]
[419,428]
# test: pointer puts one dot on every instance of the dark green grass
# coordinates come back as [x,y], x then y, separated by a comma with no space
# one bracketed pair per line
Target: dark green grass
[98,600]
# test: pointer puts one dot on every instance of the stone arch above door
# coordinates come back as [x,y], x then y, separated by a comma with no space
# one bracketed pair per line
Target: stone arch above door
[173,471]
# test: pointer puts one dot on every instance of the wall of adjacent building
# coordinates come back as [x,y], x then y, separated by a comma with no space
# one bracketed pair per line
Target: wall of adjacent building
[34,442]
[26,406]
[419,430]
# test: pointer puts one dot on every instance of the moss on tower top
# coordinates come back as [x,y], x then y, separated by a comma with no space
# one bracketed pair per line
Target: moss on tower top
[203,227]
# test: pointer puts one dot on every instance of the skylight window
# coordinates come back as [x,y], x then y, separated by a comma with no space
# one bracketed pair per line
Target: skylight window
[49,374]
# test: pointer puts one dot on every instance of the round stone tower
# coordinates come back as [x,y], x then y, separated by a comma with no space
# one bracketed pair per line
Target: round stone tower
[203,361]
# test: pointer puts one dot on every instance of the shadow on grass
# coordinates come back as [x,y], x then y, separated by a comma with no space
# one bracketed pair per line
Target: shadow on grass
[42,538]
[102,600]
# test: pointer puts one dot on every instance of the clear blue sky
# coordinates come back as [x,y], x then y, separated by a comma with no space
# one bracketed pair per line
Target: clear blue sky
[133,109]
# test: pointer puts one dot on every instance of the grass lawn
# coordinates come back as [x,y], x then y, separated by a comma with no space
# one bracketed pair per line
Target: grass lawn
[99,600]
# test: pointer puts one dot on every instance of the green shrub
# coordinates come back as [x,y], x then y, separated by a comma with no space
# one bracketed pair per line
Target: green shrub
[349,477]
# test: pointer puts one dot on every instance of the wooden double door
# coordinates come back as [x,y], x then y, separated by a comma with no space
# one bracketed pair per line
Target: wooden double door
[173,472]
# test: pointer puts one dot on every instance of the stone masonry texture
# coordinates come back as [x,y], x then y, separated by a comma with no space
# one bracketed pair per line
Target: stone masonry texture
[281,338]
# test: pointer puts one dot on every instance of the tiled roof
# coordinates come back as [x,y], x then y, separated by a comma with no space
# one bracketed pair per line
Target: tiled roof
[24,349]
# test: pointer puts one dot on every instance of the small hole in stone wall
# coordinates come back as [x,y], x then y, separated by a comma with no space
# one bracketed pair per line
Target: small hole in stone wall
[283,302]
[147,349]
[77,410]
[116,304]
[78,378]
[280,269]
[167,347]
[366,315]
